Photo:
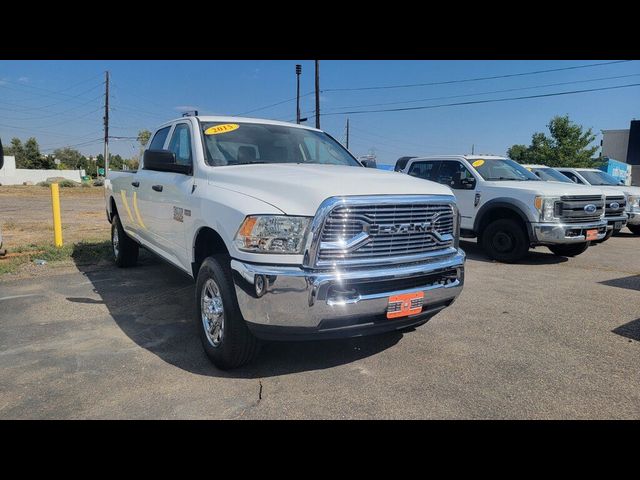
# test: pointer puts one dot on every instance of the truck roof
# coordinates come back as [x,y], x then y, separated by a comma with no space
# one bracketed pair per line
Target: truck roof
[533,165]
[232,119]
[467,157]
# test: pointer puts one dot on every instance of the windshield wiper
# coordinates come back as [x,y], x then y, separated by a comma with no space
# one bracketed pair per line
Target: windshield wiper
[249,163]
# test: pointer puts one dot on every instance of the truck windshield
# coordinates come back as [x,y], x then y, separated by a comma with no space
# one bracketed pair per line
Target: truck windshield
[599,178]
[246,143]
[502,169]
[550,175]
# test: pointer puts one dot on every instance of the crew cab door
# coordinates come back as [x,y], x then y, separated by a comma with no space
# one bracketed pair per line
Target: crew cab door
[169,193]
[459,178]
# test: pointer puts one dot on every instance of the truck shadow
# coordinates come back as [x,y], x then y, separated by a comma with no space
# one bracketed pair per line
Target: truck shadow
[153,304]
[541,256]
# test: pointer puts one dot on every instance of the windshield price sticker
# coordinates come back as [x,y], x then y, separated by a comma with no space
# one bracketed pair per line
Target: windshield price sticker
[478,163]
[218,129]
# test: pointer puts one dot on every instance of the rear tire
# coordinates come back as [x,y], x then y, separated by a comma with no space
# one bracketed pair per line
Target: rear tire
[569,250]
[125,250]
[505,240]
[225,336]
[635,229]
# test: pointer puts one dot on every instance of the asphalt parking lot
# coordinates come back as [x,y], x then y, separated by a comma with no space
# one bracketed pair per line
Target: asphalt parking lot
[549,338]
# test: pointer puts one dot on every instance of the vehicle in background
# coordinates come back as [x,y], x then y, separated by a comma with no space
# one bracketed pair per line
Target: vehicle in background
[285,233]
[401,163]
[598,178]
[615,201]
[509,209]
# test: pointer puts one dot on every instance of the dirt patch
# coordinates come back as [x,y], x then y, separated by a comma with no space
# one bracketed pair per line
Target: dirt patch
[25,215]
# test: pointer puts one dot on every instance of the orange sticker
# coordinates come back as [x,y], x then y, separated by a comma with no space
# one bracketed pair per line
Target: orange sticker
[592,234]
[218,129]
[405,304]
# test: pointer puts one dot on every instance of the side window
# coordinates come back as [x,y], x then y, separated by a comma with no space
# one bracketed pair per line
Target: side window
[572,176]
[180,144]
[453,174]
[424,170]
[159,138]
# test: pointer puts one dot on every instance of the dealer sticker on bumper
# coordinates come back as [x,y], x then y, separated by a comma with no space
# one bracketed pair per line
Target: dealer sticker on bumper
[405,304]
[592,235]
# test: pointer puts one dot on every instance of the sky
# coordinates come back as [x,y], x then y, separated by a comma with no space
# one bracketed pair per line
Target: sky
[61,103]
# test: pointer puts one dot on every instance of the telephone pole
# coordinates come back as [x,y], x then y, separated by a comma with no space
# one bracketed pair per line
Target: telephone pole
[106,123]
[298,72]
[317,94]
[347,133]
[473,146]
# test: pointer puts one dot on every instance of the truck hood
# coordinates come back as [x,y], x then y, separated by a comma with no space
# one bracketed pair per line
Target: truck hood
[299,189]
[555,189]
[628,189]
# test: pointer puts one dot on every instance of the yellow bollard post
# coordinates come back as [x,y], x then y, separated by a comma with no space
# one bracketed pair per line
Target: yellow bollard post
[57,223]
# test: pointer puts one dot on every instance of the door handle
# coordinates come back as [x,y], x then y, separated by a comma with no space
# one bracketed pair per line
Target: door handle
[157,188]
[135,184]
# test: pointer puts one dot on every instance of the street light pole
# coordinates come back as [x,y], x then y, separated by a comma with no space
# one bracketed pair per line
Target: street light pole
[298,72]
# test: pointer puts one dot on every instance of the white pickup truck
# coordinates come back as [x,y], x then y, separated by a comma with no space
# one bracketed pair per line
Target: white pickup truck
[593,177]
[510,209]
[287,235]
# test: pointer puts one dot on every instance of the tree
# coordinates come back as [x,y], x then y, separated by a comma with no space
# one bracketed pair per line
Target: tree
[33,156]
[70,158]
[143,137]
[568,146]
[16,149]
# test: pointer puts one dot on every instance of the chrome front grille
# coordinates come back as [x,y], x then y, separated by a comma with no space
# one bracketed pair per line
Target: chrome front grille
[359,233]
[615,212]
[572,208]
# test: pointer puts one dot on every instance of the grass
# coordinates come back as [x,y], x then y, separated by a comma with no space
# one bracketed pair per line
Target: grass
[82,253]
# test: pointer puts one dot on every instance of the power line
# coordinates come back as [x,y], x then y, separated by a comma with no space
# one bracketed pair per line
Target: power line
[487,93]
[493,77]
[271,105]
[474,102]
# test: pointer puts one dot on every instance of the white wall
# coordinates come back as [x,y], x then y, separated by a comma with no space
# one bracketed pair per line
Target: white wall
[10,175]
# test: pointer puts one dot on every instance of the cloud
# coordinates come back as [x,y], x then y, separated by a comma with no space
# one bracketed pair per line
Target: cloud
[185,108]
[23,79]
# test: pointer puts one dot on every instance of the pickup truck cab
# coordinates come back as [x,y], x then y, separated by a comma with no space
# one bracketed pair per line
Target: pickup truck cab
[509,209]
[286,234]
[594,177]
[615,201]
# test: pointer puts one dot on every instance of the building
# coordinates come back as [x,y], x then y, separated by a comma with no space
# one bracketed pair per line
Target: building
[10,175]
[624,146]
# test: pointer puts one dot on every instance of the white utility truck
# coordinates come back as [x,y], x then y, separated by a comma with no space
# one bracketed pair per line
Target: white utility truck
[287,235]
[509,209]
[594,177]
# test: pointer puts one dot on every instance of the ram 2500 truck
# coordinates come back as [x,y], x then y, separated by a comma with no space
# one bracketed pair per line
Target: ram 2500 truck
[615,201]
[594,177]
[509,209]
[287,235]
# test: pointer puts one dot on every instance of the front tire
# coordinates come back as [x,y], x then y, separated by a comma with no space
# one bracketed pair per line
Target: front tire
[505,240]
[635,229]
[569,250]
[125,250]
[225,336]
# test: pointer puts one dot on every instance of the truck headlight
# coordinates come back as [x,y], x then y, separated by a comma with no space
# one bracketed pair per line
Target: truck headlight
[548,207]
[272,234]
[633,203]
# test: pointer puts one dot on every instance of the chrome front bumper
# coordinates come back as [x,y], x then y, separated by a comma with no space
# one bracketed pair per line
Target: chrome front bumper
[566,233]
[634,218]
[611,221]
[292,302]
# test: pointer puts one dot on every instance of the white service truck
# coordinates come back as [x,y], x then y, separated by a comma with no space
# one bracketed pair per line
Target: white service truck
[594,177]
[615,211]
[287,235]
[509,209]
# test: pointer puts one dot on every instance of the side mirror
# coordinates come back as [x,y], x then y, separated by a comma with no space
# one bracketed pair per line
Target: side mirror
[1,155]
[369,163]
[468,183]
[163,161]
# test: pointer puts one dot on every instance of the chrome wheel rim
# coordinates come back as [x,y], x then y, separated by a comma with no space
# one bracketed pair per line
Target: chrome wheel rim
[115,242]
[212,310]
